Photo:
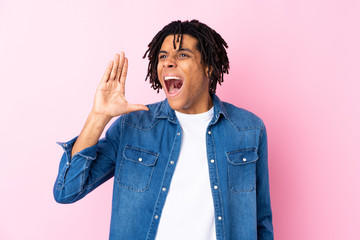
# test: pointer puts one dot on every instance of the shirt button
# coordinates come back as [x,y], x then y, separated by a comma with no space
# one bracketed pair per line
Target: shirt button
[215,187]
[163,189]
[178,134]
[209,132]
[244,159]
[171,162]
[212,160]
[156,216]
[219,218]
[64,144]
[140,159]
[67,163]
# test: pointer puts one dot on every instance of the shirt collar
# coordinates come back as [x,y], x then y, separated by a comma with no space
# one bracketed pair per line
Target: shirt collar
[165,111]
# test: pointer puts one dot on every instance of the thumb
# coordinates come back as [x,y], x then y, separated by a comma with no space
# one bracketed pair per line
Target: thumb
[137,107]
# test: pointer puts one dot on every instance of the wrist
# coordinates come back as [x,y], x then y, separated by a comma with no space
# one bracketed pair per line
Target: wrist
[99,117]
[98,121]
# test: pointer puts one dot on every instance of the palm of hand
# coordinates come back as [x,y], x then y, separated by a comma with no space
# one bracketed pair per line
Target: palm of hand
[110,94]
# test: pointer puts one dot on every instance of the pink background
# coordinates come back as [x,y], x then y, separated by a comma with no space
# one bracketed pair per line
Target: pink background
[293,63]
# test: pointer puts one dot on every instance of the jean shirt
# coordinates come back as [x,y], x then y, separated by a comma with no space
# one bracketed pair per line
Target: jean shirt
[141,149]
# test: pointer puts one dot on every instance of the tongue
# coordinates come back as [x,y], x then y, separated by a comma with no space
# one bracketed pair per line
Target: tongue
[173,89]
[175,86]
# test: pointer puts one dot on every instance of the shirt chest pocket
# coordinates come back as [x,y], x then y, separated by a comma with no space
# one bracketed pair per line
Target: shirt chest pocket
[242,170]
[136,168]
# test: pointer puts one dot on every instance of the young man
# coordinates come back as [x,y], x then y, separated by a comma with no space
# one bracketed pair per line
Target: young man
[189,167]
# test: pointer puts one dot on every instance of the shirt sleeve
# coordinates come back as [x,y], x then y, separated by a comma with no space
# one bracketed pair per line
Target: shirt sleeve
[264,213]
[87,169]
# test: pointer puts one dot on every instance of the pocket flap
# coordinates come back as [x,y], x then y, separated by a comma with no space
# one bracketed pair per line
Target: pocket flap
[243,156]
[137,155]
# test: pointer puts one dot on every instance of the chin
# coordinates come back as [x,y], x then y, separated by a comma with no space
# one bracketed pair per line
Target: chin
[175,104]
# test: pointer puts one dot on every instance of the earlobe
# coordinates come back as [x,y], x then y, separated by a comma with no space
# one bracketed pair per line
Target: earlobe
[207,72]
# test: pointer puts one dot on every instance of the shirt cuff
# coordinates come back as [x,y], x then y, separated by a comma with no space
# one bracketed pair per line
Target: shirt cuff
[88,153]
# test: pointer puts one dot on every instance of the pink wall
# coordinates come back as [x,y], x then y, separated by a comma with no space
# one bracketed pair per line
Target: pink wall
[296,65]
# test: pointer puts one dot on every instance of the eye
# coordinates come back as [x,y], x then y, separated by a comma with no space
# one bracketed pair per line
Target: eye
[162,56]
[182,55]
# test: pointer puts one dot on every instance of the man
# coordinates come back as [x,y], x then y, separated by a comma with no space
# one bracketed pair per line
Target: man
[189,167]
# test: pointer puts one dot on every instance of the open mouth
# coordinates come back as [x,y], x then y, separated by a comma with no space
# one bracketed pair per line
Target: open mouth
[173,84]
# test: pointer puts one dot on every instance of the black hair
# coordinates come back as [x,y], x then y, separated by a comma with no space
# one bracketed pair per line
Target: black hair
[210,44]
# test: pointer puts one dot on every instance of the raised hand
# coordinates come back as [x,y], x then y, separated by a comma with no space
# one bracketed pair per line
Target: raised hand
[109,102]
[110,94]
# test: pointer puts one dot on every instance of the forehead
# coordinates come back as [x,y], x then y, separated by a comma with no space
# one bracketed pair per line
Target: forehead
[187,42]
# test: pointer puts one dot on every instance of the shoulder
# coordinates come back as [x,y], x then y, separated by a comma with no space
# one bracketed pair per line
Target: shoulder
[142,119]
[241,118]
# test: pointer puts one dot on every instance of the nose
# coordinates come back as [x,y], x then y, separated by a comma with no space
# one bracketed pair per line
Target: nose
[169,62]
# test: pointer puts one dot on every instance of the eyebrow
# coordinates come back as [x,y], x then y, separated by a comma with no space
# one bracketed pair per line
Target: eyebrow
[179,50]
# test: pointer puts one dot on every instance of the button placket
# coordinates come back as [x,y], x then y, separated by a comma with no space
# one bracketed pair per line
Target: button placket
[216,191]
[167,177]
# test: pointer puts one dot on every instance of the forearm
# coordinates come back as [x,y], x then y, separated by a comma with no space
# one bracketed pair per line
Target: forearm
[91,132]
[83,172]
[87,169]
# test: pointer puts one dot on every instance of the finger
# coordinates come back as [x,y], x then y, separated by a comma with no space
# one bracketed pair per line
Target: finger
[107,72]
[137,107]
[123,74]
[114,68]
[120,66]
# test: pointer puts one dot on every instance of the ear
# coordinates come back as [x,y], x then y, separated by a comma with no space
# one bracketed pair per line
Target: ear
[207,72]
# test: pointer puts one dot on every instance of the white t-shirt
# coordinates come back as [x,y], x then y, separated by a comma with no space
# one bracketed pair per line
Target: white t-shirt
[189,211]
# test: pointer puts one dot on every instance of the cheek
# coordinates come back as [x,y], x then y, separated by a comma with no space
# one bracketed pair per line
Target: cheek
[198,73]
[158,70]
[159,74]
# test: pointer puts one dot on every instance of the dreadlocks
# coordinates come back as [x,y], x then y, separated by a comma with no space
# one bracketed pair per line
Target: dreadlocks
[210,44]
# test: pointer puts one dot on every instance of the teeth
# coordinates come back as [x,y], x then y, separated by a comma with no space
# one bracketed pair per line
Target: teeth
[168,78]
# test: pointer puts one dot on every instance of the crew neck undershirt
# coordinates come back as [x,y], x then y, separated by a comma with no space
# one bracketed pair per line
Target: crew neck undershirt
[189,211]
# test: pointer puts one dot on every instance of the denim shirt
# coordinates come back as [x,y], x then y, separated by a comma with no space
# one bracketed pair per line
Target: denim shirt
[141,150]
